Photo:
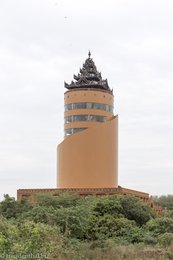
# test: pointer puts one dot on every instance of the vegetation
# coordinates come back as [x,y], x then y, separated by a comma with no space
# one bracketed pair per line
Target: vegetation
[165,201]
[70,227]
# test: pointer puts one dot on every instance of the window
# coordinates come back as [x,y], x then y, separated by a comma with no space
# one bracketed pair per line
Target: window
[89,105]
[79,105]
[68,119]
[96,118]
[68,107]
[80,118]
[70,131]
[77,118]
[107,108]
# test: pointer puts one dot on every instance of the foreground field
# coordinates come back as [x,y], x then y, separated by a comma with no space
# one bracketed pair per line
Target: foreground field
[68,227]
[129,252]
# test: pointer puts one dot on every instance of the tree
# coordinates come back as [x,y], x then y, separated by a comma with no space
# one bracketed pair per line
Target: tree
[38,239]
[73,221]
[135,209]
[64,199]
[8,235]
[165,201]
[108,226]
[40,214]
[108,205]
[169,214]
[10,208]
[160,225]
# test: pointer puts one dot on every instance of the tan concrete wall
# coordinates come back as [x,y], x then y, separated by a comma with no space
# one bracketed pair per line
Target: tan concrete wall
[89,159]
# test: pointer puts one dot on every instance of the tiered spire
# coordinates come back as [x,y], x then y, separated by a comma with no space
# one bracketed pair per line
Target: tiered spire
[88,77]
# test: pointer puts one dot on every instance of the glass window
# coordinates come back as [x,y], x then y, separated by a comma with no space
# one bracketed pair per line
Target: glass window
[77,118]
[65,107]
[96,106]
[96,118]
[107,108]
[68,119]
[80,105]
[100,118]
[80,117]
[89,105]
[111,109]
[75,130]
[70,131]
[68,107]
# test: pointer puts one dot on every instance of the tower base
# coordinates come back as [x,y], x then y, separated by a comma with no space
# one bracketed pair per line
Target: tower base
[31,194]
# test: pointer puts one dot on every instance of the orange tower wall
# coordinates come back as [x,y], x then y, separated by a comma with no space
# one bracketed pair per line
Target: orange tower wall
[89,159]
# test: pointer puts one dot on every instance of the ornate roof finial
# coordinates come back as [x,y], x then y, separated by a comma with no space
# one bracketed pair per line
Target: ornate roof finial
[88,77]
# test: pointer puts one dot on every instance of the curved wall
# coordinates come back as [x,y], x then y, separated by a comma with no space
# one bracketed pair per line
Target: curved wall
[89,159]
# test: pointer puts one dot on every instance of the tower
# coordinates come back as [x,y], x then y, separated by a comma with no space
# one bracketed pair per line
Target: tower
[87,158]
[88,155]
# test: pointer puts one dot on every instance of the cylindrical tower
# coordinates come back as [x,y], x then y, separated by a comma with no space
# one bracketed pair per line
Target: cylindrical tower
[88,156]
[84,107]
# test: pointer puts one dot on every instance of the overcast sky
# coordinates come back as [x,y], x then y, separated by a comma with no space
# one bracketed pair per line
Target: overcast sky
[43,43]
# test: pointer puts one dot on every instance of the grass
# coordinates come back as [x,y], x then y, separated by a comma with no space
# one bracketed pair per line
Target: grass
[119,252]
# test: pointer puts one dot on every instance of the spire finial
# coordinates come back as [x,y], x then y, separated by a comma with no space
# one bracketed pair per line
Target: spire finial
[89,54]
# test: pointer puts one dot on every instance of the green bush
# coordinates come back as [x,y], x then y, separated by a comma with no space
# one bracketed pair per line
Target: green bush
[165,239]
[135,209]
[40,214]
[108,226]
[165,201]
[160,225]
[10,208]
[150,240]
[64,200]
[108,205]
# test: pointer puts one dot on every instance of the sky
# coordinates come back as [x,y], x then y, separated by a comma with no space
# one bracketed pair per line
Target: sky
[43,43]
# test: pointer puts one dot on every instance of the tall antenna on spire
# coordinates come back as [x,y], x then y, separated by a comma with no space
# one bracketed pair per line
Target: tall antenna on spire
[89,54]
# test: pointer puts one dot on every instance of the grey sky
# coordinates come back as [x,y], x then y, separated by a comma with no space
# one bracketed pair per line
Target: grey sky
[43,43]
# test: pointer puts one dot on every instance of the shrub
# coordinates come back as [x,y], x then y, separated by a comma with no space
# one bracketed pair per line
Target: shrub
[165,239]
[160,226]
[135,209]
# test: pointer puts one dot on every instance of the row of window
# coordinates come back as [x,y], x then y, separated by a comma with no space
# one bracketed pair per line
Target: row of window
[71,131]
[76,118]
[89,105]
